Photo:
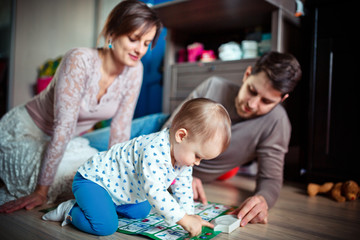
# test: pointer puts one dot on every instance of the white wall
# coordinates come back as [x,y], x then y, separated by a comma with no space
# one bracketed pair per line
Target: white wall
[46,29]
[105,7]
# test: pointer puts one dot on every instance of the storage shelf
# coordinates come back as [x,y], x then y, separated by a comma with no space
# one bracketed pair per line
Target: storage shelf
[214,22]
[199,16]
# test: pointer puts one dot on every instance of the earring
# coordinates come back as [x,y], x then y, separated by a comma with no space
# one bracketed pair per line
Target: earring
[110,44]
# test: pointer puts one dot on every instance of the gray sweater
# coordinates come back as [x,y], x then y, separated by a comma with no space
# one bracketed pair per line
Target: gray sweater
[264,139]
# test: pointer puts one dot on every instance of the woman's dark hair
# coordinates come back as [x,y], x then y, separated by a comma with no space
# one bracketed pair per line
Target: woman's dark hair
[282,69]
[130,15]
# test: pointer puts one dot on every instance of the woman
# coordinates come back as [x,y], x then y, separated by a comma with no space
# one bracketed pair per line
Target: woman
[90,85]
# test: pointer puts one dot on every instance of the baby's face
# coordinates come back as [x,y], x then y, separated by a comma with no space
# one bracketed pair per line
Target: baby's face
[190,152]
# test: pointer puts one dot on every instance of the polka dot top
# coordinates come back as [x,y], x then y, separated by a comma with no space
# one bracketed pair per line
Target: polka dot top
[140,170]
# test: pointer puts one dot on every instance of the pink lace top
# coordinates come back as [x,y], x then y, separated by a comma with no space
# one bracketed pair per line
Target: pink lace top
[68,106]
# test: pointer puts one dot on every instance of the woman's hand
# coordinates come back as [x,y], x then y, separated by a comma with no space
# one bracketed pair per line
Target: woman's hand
[193,224]
[37,198]
[254,210]
[198,189]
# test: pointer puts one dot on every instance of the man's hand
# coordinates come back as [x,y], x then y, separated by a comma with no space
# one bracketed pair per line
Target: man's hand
[198,189]
[193,224]
[37,198]
[254,210]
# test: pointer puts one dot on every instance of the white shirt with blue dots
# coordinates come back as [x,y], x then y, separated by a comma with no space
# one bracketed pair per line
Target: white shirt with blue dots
[140,169]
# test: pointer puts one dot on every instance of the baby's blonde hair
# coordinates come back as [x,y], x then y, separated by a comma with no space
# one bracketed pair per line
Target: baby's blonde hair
[203,117]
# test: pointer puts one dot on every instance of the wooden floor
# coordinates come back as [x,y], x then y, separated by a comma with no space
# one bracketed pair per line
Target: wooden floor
[295,216]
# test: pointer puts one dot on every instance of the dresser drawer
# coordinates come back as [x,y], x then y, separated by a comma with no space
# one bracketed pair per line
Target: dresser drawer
[186,77]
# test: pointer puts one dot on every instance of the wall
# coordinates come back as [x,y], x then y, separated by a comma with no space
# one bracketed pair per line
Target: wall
[46,29]
[104,8]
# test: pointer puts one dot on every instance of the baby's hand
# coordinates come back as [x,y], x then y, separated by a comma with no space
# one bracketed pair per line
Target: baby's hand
[193,224]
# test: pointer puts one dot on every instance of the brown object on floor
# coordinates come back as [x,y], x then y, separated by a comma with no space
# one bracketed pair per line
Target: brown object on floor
[313,189]
[336,193]
[350,190]
[340,191]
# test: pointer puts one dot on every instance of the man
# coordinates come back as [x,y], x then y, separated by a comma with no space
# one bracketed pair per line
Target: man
[260,130]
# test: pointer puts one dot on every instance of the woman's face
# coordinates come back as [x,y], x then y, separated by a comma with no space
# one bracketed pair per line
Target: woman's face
[128,49]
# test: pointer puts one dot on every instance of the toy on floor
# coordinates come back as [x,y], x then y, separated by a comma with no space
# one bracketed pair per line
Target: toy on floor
[340,191]
[226,223]
[313,189]
[153,226]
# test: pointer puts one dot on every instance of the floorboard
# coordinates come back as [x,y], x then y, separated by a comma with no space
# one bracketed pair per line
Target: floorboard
[294,216]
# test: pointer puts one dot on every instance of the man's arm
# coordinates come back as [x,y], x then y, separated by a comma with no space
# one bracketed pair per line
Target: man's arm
[270,156]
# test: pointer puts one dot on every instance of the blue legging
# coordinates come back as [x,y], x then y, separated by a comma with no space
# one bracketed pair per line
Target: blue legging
[96,213]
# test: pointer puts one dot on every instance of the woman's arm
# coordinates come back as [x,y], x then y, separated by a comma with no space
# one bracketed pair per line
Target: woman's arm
[68,91]
[121,122]
[68,84]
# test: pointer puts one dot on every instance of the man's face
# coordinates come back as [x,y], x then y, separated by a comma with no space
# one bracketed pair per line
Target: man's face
[256,96]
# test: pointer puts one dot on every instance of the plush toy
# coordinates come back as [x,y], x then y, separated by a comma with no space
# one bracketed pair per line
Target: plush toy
[349,189]
[313,189]
[194,51]
[207,56]
[340,191]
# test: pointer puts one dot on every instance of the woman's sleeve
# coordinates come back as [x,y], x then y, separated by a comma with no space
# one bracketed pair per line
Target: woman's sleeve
[121,123]
[70,85]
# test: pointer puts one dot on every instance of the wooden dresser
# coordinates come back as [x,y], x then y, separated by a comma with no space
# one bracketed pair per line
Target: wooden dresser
[185,77]
[214,22]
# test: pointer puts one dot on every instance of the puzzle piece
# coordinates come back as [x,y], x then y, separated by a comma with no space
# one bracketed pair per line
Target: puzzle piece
[226,223]
[154,226]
